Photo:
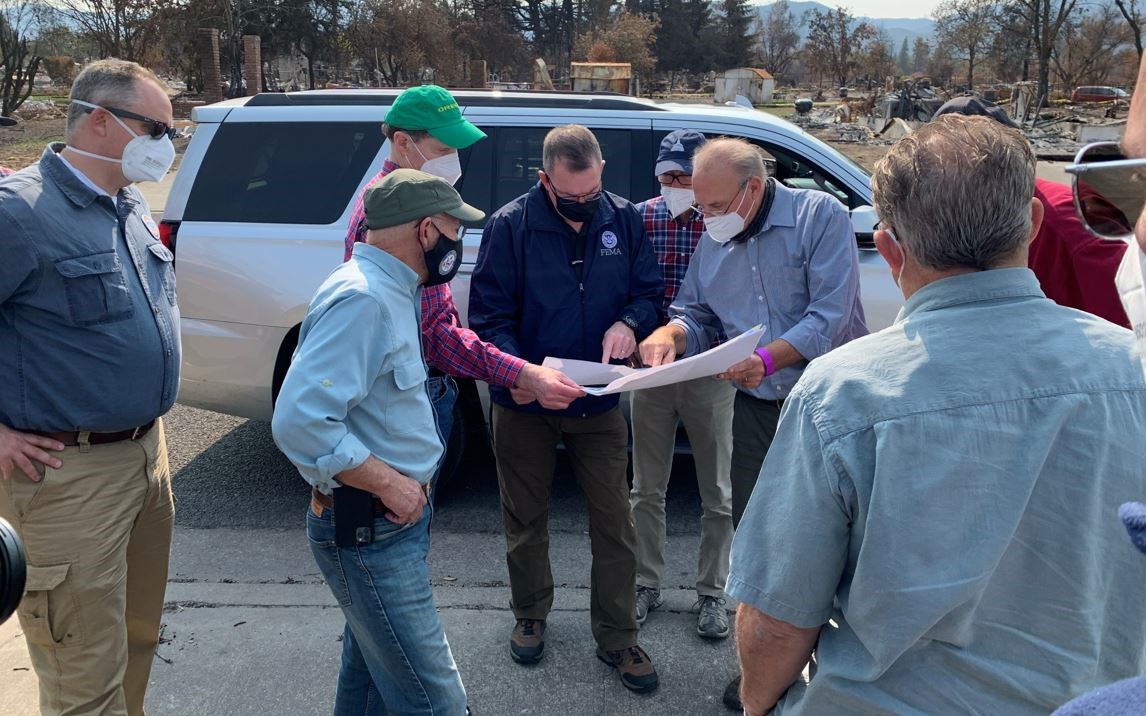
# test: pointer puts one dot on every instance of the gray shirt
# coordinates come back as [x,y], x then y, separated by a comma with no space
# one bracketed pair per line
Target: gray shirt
[946,491]
[88,320]
[798,277]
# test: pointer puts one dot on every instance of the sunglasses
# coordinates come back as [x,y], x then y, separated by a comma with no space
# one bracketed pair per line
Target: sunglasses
[1109,189]
[156,129]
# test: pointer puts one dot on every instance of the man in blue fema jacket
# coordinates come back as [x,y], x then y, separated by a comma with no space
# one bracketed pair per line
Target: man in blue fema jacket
[566,271]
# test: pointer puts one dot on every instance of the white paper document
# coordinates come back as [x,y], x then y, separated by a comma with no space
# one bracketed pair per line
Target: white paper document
[619,379]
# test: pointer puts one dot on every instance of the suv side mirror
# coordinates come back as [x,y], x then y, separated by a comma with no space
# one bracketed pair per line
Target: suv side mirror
[864,221]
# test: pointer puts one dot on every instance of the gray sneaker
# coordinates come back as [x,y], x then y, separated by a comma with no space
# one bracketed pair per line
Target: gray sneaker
[712,622]
[648,599]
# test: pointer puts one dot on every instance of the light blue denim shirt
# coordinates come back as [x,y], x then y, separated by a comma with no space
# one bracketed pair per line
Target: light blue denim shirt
[357,384]
[946,491]
[89,327]
[798,277]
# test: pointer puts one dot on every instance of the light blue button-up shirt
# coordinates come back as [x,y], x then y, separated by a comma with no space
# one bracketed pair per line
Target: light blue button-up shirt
[946,491]
[798,277]
[356,387]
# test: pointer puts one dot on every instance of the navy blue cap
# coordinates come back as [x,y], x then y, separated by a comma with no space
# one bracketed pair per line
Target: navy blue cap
[677,150]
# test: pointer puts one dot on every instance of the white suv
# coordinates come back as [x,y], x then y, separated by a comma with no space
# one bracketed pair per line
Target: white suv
[259,209]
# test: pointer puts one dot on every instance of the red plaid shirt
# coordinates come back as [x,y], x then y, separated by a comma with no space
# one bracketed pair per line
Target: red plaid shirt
[674,240]
[448,346]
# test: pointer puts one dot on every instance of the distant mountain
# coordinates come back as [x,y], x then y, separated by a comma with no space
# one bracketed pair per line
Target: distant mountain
[896,28]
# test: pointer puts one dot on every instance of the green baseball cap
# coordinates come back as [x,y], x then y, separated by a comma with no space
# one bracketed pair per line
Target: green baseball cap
[432,109]
[406,195]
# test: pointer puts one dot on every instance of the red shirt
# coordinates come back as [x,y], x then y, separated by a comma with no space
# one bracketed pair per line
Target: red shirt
[1075,267]
[448,347]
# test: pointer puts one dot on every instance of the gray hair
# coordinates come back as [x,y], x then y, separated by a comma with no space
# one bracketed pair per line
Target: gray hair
[572,144]
[105,82]
[738,156]
[958,192]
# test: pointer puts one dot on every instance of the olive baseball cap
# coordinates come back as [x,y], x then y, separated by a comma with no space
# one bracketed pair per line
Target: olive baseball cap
[432,109]
[406,195]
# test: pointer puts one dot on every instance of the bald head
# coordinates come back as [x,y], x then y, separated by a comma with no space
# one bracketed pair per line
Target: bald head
[734,157]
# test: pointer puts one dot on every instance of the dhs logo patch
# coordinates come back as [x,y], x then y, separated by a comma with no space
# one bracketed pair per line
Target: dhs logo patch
[609,244]
[447,263]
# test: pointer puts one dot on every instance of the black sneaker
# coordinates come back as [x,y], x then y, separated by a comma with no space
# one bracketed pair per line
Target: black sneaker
[527,642]
[712,619]
[732,696]
[634,666]
[648,599]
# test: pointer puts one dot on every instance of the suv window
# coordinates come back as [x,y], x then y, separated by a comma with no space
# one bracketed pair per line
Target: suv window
[253,171]
[518,159]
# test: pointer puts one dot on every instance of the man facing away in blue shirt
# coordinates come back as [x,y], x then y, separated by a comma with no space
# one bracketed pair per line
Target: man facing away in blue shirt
[936,515]
[354,415]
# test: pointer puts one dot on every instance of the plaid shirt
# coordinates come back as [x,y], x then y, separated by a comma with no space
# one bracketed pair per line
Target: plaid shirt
[448,346]
[674,240]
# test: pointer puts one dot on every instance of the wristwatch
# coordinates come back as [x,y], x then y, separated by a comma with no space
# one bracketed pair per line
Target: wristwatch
[630,322]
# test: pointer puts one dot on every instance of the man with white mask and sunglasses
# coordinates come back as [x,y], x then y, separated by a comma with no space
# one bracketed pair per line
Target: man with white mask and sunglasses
[90,334]
[426,130]
[674,228]
[782,258]
[1110,196]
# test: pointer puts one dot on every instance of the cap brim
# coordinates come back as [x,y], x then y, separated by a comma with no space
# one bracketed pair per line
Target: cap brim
[466,213]
[672,165]
[458,135]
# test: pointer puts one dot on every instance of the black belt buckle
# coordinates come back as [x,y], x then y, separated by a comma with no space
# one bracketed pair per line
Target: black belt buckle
[353,517]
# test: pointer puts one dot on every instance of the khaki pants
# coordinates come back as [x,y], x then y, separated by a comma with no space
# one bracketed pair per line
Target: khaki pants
[98,536]
[705,408]
[525,445]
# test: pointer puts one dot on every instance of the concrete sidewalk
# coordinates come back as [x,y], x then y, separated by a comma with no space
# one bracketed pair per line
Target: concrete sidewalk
[251,629]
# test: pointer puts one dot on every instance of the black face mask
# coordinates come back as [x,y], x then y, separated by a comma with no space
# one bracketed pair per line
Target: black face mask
[443,261]
[576,211]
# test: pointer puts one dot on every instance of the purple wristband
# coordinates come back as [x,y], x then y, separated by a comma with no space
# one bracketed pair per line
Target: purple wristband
[769,363]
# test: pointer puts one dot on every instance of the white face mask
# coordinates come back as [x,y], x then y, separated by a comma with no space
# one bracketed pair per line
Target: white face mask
[144,158]
[677,200]
[1132,291]
[448,166]
[722,228]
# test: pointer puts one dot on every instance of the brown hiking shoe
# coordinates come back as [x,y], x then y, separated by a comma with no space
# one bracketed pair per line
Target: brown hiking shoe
[634,666]
[527,643]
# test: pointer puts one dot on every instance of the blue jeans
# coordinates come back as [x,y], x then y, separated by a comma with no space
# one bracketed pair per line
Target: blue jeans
[395,657]
[443,392]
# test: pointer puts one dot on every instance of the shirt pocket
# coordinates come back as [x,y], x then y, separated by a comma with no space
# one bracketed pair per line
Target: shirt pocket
[165,265]
[95,288]
[407,406]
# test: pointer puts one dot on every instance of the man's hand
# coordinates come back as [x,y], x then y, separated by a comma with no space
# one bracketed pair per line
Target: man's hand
[619,342]
[522,396]
[552,388]
[748,372]
[403,497]
[20,451]
[660,348]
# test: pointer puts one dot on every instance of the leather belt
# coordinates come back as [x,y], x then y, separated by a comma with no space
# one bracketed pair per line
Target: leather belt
[320,502]
[71,439]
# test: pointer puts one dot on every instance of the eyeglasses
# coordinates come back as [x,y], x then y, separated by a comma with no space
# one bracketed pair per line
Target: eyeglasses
[1109,189]
[586,198]
[728,206]
[156,130]
[682,180]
